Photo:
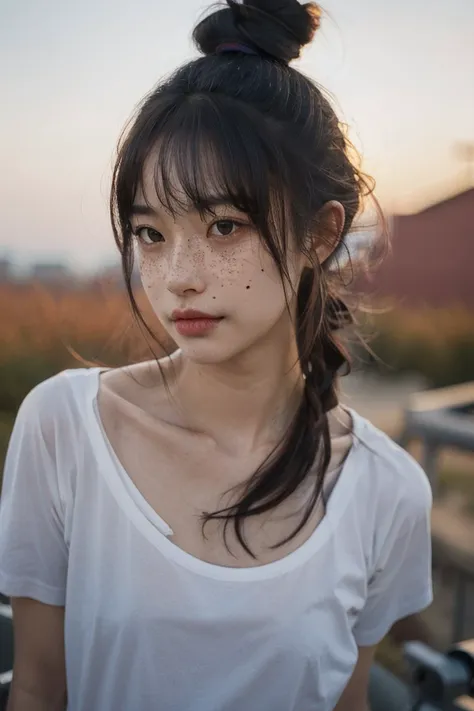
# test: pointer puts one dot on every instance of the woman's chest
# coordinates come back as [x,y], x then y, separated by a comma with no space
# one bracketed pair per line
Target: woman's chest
[184,483]
[290,621]
[121,557]
[183,478]
[139,595]
[293,629]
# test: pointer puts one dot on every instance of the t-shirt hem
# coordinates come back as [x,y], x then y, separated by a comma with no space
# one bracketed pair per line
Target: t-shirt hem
[26,587]
[412,607]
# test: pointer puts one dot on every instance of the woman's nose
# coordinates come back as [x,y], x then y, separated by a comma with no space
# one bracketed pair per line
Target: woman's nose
[185,269]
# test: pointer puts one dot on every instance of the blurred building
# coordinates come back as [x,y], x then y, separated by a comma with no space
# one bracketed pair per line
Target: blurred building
[6,271]
[432,259]
[51,273]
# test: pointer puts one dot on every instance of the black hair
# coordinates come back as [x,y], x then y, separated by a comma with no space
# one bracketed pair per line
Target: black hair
[244,126]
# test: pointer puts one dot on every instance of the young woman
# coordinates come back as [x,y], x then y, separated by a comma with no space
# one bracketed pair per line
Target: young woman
[213,531]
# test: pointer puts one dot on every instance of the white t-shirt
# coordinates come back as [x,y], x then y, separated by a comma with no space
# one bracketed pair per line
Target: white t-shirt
[149,626]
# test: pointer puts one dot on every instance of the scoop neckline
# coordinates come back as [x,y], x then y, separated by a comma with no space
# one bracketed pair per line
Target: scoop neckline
[156,530]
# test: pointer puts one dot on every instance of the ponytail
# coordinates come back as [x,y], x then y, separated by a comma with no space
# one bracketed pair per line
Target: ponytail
[307,446]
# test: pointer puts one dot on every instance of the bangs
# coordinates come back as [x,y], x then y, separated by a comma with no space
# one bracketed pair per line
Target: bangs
[201,150]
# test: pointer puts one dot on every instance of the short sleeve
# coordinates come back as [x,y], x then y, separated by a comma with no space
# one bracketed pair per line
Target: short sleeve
[401,584]
[33,552]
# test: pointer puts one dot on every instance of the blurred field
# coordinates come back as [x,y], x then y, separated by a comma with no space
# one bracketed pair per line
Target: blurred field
[436,344]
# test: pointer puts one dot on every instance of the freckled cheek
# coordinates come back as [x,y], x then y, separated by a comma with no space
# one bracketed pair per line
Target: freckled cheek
[256,298]
[152,272]
[199,259]
[246,273]
[225,272]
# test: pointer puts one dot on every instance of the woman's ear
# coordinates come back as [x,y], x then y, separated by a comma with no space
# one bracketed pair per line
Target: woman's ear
[331,220]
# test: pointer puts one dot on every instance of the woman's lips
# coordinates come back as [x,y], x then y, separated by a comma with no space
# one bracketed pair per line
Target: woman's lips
[196,326]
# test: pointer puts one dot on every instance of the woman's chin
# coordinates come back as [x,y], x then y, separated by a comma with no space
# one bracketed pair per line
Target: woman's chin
[202,353]
[210,351]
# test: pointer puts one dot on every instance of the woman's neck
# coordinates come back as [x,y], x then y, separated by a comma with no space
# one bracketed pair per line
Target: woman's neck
[243,403]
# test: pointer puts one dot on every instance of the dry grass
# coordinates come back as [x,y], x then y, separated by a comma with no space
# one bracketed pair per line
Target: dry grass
[436,343]
[38,320]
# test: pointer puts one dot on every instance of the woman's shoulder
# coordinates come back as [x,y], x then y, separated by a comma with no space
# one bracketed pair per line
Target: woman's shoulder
[124,381]
[143,385]
[60,388]
[59,399]
[68,395]
[391,472]
[78,386]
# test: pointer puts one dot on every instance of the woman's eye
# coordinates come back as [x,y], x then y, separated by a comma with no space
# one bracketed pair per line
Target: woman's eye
[148,235]
[225,228]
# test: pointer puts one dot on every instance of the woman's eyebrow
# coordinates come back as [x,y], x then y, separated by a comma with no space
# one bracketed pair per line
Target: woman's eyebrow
[216,202]
[209,204]
[142,210]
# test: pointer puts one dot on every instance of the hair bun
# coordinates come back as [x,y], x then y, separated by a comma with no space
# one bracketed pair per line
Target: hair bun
[276,28]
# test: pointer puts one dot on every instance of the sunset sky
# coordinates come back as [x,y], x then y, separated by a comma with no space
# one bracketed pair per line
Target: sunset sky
[72,72]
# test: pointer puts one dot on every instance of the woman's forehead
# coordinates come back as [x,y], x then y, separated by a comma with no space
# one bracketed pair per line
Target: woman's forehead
[166,185]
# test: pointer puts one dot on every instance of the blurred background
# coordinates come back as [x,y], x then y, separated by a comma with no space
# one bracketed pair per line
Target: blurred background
[401,77]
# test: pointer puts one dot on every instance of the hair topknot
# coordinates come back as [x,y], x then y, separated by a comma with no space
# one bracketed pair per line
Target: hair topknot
[273,28]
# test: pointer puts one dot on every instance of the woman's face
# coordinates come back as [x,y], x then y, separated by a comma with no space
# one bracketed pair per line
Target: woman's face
[215,264]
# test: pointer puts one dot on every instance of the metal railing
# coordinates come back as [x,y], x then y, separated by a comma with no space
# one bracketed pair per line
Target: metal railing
[6,650]
[438,419]
[438,681]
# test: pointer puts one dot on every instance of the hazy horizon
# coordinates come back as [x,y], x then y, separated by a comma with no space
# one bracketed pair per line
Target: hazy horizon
[401,75]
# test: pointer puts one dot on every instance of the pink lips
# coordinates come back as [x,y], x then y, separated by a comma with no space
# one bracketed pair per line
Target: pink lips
[189,322]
